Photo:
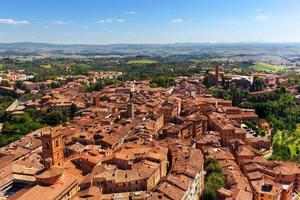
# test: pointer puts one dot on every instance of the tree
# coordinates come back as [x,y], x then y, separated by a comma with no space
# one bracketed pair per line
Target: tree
[20,125]
[207,82]
[213,182]
[162,81]
[30,96]
[38,78]
[212,165]
[5,83]
[98,86]
[19,84]
[54,118]
[238,96]
[257,85]
[110,81]
[54,84]
[214,179]
[279,109]
[298,89]
[5,102]
[220,93]
[74,109]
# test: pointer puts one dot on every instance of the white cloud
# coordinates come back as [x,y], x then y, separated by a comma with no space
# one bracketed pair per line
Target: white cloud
[13,22]
[261,17]
[85,27]
[46,27]
[104,21]
[120,20]
[59,22]
[176,20]
[129,12]
[259,10]
[110,20]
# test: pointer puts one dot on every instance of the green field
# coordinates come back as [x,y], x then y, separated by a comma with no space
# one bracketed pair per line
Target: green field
[265,67]
[46,66]
[198,60]
[142,62]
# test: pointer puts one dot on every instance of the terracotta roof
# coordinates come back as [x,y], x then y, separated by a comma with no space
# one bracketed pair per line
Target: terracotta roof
[170,191]
[49,193]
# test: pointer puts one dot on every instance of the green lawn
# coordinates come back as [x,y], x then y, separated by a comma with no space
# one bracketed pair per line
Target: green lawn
[261,66]
[142,62]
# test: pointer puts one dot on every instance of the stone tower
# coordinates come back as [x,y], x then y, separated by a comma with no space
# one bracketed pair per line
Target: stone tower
[130,110]
[130,107]
[217,73]
[53,147]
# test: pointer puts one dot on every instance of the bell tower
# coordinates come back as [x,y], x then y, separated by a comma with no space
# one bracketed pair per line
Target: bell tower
[217,72]
[130,110]
[53,149]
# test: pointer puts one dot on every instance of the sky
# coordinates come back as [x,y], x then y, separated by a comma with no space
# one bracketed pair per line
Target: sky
[149,21]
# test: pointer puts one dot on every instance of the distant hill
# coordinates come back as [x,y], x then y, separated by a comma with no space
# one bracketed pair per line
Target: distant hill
[28,48]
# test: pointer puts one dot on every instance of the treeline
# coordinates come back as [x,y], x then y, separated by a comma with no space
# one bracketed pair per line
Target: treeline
[5,102]
[171,66]
[162,81]
[231,92]
[237,96]
[99,85]
[17,126]
[279,109]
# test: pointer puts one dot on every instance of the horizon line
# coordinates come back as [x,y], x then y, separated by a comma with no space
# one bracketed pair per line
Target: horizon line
[167,43]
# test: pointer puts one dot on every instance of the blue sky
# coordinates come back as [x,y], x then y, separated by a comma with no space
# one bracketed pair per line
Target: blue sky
[149,21]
